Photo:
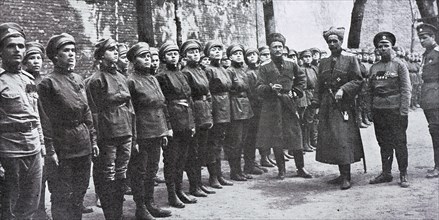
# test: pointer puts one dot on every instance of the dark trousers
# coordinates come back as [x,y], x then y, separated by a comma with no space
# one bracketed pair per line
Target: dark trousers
[114,155]
[49,172]
[390,131]
[432,116]
[68,187]
[143,166]
[250,137]
[204,149]
[216,139]
[22,186]
[174,157]
[235,136]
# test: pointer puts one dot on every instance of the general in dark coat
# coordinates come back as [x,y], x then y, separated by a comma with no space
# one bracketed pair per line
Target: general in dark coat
[280,84]
[339,141]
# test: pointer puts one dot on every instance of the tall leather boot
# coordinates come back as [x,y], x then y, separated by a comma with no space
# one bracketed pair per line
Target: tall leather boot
[213,178]
[181,194]
[108,195]
[300,164]
[314,131]
[219,173]
[235,170]
[345,173]
[280,162]
[173,199]
[386,175]
[149,201]
[119,198]
[194,186]
[305,139]
[201,185]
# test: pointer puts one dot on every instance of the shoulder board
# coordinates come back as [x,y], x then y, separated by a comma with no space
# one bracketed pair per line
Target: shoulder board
[436,48]
[344,53]
[28,74]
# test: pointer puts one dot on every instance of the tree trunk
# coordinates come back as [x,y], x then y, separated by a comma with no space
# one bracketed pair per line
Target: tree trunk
[356,23]
[144,21]
[178,24]
[426,8]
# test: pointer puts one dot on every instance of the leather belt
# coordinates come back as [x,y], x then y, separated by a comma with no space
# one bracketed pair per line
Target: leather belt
[18,127]
[202,97]
[387,94]
[183,102]
[239,94]
[69,124]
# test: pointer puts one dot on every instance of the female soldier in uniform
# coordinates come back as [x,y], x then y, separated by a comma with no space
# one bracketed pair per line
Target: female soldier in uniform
[152,127]
[199,149]
[178,99]
[113,116]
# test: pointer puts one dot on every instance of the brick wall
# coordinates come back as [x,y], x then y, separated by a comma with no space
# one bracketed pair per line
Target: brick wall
[230,21]
[87,21]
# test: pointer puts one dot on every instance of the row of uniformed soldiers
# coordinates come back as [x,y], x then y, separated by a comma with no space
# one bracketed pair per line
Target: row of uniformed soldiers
[120,122]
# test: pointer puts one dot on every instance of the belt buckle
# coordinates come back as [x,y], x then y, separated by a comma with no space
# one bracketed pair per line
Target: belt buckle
[204,98]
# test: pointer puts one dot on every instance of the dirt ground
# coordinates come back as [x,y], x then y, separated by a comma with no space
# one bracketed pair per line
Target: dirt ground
[295,198]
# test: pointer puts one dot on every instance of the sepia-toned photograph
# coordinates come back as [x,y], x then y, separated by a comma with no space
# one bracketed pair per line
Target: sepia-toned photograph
[219,109]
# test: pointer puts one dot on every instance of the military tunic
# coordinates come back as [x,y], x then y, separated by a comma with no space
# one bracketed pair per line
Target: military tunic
[241,111]
[339,141]
[152,124]
[110,102]
[21,141]
[197,80]
[430,95]
[178,98]
[64,100]
[390,90]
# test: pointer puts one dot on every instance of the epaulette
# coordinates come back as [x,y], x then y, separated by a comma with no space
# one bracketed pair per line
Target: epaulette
[28,75]
[344,53]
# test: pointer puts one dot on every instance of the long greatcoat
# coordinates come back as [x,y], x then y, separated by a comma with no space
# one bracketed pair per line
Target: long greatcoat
[339,140]
[279,124]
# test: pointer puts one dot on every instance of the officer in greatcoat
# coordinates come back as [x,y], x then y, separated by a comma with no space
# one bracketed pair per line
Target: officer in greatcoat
[340,80]
[280,84]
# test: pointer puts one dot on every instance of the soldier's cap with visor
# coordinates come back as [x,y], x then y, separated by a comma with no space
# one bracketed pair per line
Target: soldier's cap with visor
[166,47]
[210,44]
[426,29]
[34,47]
[273,37]
[10,29]
[102,45]
[314,50]
[249,51]
[154,51]
[122,48]
[384,36]
[137,49]
[189,45]
[234,48]
[339,32]
[264,49]
[56,42]
[306,52]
